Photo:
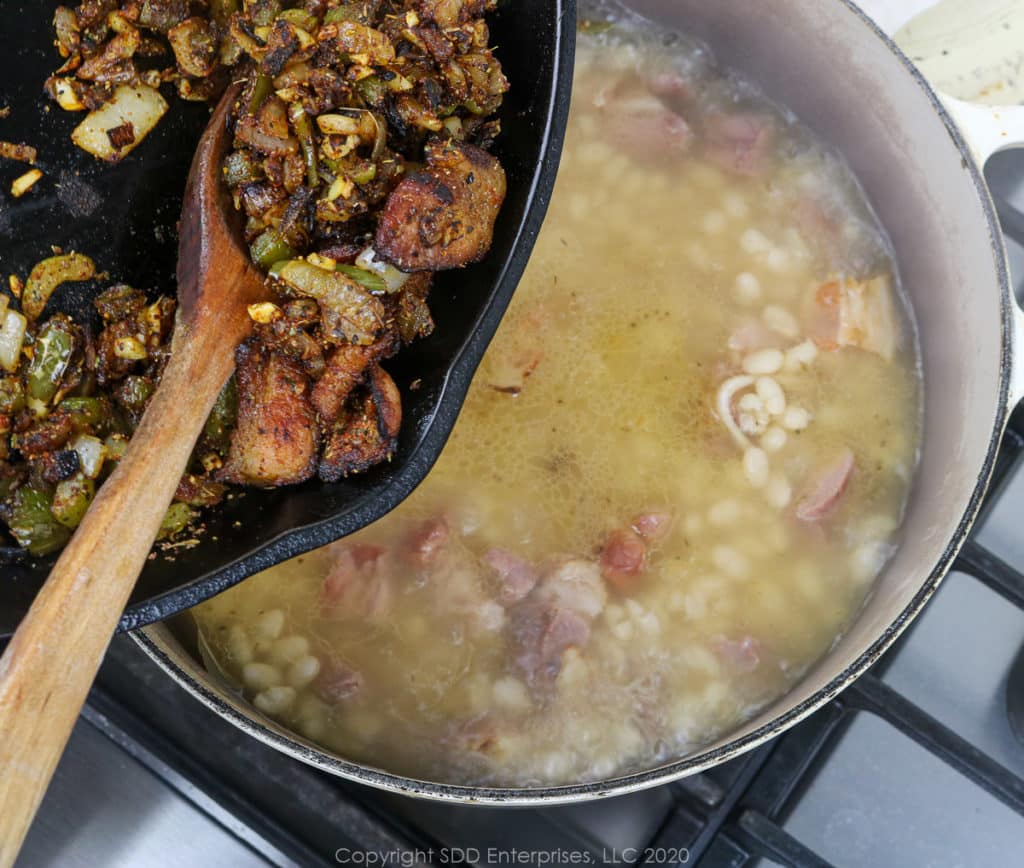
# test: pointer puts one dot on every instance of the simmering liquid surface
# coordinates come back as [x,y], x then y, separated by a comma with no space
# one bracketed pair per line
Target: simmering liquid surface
[681,465]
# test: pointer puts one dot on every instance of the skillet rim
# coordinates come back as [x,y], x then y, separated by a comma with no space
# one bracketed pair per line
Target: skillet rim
[295,746]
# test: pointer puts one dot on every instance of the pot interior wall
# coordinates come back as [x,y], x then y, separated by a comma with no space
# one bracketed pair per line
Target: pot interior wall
[826,63]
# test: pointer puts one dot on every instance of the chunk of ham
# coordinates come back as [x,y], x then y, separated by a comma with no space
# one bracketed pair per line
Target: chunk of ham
[740,142]
[337,682]
[752,335]
[574,584]
[516,576]
[358,584]
[457,584]
[276,439]
[743,655]
[425,542]
[643,127]
[653,526]
[555,617]
[854,313]
[825,488]
[672,87]
[623,558]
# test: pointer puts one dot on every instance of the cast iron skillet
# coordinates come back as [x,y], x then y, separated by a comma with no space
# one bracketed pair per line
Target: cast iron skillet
[125,218]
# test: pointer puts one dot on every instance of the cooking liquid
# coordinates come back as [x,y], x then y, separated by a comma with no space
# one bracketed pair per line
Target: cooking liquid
[658,268]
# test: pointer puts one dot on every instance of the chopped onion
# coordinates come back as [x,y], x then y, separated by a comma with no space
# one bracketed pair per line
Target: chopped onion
[91,453]
[12,336]
[134,108]
[393,278]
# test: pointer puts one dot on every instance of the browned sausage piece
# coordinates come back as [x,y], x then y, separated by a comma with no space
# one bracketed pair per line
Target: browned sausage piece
[444,216]
[345,369]
[367,430]
[276,439]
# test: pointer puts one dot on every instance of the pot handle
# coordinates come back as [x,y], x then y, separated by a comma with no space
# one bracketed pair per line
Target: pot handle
[986,129]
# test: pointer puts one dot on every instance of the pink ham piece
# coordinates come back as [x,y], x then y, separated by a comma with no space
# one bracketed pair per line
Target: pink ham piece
[426,542]
[753,335]
[743,654]
[356,584]
[825,488]
[649,132]
[623,559]
[337,682]
[541,636]
[653,526]
[672,87]
[555,617]
[740,143]
[516,576]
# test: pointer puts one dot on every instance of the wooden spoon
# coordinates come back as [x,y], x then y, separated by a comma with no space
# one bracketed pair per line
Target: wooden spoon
[50,663]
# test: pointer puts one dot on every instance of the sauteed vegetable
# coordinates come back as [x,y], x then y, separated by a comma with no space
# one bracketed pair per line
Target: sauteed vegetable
[360,165]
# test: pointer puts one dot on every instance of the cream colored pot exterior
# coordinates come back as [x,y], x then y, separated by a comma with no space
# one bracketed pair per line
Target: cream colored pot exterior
[829,63]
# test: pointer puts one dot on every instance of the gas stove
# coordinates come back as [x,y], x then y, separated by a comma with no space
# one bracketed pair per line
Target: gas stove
[920,762]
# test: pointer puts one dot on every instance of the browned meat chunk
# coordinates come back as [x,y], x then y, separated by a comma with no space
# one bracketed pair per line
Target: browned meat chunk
[367,431]
[346,368]
[451,13]
[277,437]
[444,216]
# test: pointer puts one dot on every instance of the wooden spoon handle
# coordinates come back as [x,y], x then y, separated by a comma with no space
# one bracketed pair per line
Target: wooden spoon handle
[47,669]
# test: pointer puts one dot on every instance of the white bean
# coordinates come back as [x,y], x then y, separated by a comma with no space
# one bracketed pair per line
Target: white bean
[752,241]
[239,645]
[777,259]
[796,419]
[269,625]
[312,728]
[751,403]
[714,222]
[763,362]
[724,513]
[771,393]
[623,631]
[774,439]
[303,671]
[693,524]
[779,492]
[275,700]
[755,467]
[747,288]
[259,676]
[288,649]
[735,205]
[730,561]
[801,356]
[510,693]
[780,320]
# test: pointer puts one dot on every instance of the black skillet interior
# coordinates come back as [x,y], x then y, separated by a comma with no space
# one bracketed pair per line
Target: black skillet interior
[125,218]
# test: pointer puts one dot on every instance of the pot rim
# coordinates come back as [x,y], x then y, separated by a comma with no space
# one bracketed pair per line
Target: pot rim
[270,733]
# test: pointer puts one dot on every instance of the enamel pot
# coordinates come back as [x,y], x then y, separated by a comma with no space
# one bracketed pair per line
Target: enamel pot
[919,157]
